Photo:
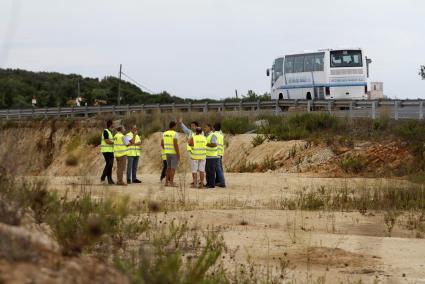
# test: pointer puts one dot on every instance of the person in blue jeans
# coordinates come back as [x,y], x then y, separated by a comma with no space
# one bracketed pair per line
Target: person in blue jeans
[219,173]
[212,156]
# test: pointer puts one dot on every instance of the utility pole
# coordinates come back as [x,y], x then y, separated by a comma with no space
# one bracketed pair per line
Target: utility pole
[119,86]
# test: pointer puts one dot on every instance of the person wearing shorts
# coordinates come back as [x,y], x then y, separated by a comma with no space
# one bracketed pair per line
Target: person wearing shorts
[198,144]
[170,145]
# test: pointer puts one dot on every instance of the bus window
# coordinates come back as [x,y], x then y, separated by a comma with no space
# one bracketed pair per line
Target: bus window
[309,63]
[277,69]
[318,62]
[299,63]
[289,64]
[346,58]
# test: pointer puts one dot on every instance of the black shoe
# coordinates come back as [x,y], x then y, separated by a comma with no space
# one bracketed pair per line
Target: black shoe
[221,185]
[128,181]
[102,179]
[136,181]
[110,181]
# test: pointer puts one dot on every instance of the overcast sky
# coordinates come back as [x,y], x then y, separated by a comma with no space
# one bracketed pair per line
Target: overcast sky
[209,48]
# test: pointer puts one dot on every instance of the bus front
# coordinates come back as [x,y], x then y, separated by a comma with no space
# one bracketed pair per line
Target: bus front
[347,76]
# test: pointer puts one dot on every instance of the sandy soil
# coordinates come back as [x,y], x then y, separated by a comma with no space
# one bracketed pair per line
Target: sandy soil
[339,246]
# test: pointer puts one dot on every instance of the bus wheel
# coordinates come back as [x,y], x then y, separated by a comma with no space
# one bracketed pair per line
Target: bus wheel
[280,96]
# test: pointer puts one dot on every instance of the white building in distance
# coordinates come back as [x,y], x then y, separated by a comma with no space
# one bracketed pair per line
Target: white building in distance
[376,91]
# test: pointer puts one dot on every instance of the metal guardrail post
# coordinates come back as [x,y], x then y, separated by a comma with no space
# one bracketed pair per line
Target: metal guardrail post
[308,106]
[32,112]
[396,110]
[7,114]
[173,107]
[351,109]
[240,106]
[86,113]
[421,110]
[330,107]
[99,109]
[72,111]
[19,113]
[58,113]
[113,110]
[45,112]
[206,107]
[189,108]
[128,109]
[373,110]
[258,105]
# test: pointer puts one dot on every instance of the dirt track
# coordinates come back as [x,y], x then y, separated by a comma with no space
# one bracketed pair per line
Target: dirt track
[344,246]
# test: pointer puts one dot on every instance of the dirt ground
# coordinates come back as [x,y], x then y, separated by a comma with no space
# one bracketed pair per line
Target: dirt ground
[334,246]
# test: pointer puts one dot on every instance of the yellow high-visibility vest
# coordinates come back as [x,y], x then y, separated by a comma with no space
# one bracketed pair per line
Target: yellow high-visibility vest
[188,147]
[120,149]
[134,150]
[104,147]
[168,138]
[163,155]
[199,149]
[220,143]
[211,151]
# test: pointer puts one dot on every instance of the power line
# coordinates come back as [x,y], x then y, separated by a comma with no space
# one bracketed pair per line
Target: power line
[137,83]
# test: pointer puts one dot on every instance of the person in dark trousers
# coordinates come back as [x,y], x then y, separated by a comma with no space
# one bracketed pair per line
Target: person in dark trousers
[219,173]
[212,156]
[107,149]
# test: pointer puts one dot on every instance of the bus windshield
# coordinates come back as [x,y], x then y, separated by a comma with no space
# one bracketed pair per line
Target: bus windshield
[346,58]
[277,69]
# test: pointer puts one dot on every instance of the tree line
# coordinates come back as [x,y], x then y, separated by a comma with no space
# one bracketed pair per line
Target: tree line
[18,88]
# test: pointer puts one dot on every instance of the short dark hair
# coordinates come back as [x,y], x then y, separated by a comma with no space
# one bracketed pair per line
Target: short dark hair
[209,125]
[109,123]
[196,123]
[217,126]
[172,124]
[198,130]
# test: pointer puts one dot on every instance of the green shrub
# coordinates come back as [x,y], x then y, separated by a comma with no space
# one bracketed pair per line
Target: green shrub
[353,164]
[299,126]
[247,167]
[236,125]
[94,139]
[176,255]
[269,163]
[413,132]
[258,140]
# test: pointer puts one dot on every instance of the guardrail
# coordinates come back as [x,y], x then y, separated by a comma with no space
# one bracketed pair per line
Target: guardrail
[397,109]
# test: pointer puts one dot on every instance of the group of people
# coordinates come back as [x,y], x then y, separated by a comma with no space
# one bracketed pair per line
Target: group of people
[126,150]
[205,149]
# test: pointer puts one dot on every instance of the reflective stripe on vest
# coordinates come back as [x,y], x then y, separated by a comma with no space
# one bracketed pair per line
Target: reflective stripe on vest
[220,143]
[168,138]
[211,151]
[104,147]
[199,149]
[133,150]
[163,155]
[120,149]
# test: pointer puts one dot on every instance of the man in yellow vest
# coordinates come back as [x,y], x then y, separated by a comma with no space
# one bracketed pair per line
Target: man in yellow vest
[133,155]
[198,154]
[212,156]
[107,150]
[170,145]
[219,173]
[189,133]
[120,152]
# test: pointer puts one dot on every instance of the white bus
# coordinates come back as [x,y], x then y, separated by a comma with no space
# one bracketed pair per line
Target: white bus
[325,74]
